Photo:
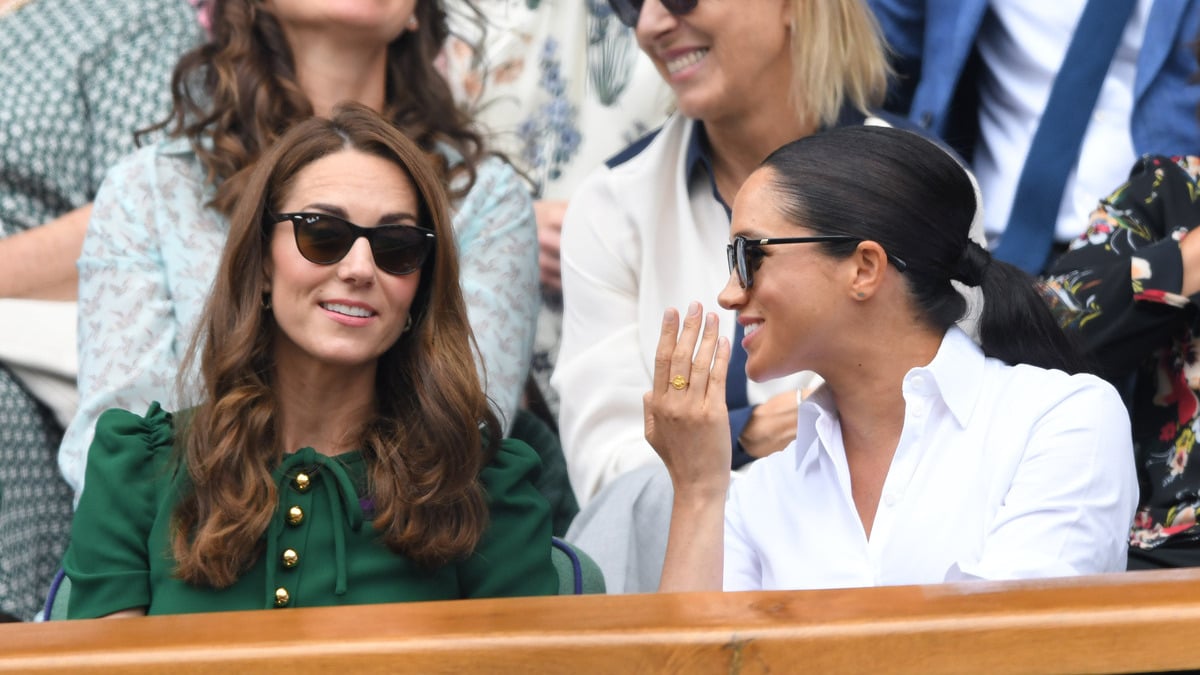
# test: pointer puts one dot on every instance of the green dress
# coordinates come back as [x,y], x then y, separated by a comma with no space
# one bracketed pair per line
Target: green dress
[320,548]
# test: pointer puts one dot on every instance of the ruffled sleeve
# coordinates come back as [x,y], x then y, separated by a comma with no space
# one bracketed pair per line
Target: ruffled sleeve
[513,557]
[108,557]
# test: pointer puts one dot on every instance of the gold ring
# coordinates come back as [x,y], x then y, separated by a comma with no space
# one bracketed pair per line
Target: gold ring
[679,383]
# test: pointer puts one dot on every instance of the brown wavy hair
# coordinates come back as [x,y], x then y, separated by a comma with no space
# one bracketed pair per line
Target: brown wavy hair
[432,431]
[235,95]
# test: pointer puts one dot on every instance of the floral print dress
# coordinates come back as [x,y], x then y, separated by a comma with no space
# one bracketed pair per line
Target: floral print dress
[1119,286]
[558,86]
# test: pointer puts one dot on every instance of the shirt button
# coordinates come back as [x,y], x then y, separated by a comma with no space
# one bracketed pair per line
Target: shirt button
[290,558]
[295,515]
[302,482]
[281,597]
[890,499]
[918,381]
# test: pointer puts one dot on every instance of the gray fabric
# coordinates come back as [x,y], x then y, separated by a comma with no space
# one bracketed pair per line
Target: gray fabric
[35,502]
[624,529]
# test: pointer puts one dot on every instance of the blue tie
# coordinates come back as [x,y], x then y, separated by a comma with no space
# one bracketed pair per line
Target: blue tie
[1029,235]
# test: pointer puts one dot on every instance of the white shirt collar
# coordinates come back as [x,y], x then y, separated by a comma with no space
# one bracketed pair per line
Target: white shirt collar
[951,378]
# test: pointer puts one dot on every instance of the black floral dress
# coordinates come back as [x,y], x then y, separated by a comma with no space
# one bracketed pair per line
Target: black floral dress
[1119,286]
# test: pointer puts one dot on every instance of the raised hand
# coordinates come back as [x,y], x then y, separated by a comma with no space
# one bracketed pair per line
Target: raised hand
[687,422]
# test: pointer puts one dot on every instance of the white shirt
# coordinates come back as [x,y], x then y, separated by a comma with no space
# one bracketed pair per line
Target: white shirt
[1001,472]
[1023,43]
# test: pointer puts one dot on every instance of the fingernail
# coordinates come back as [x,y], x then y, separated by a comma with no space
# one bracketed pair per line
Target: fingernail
[694,308]
[668,315]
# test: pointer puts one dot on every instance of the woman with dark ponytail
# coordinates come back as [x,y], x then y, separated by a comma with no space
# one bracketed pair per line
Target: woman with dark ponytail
[925,456]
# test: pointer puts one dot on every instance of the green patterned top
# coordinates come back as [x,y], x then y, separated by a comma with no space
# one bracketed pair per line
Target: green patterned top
[79,77]
[319,550]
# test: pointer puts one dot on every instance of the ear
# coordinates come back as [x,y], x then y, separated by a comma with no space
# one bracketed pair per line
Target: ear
[268,272]
[868,264]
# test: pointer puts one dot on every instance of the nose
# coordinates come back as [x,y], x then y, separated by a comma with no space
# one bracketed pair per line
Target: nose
[358,265]
[653,21]
[733,296]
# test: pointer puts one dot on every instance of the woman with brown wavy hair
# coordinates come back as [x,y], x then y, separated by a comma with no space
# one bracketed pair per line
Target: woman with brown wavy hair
[161,217]
[342,450]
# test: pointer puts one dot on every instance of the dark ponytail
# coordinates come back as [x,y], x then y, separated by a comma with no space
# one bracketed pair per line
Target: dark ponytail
[913,198]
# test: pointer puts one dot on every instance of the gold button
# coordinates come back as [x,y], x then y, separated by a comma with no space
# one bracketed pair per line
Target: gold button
[302,482]
[290,558]
[295,515]
[281,597]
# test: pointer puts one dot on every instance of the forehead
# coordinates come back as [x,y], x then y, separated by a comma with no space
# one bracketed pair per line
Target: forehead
[352,176]
[756,212]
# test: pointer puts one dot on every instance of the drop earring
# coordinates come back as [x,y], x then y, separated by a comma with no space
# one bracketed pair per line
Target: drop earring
[412,24]
[408,324]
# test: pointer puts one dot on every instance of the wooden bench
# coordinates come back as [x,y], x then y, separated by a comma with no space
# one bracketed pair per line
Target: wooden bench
[1135,622]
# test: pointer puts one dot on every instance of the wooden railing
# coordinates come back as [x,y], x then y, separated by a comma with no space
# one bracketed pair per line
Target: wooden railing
[1136,622]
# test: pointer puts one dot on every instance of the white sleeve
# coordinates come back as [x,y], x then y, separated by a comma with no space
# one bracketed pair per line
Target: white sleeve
[742,569]
[1071,502]
[600,375]
[127,329]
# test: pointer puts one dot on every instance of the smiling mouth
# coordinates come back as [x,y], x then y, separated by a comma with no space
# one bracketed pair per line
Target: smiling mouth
[676,65]
[347,310]
[751,327]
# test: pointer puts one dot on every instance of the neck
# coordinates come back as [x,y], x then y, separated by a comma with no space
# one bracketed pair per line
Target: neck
[867,390]
[331,72]
[323,407]
[739,145]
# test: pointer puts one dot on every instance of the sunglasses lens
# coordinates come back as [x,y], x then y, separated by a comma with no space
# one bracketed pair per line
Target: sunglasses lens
[400,250]
[679,7]
[627,11]
[322,240]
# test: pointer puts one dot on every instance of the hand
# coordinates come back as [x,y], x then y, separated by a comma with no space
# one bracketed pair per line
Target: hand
[772,425]
[687,422]
[549,215]
[1189,250]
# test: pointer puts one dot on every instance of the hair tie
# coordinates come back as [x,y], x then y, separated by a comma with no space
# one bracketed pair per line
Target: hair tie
[972,264]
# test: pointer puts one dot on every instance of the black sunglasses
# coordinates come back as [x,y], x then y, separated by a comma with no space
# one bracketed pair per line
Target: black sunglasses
[324,239]
[744,255]
[628,11]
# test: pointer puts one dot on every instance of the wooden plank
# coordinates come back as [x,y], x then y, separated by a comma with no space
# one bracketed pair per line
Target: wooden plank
[1133,622]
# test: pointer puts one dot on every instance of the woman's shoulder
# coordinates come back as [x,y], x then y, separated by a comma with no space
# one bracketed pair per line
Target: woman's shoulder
[1044,390]
[650,169]
[1166,171]
[154,430]
[130,446]
[514,459]
[163,162]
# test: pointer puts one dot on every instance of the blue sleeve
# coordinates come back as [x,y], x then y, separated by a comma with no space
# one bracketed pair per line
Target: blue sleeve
[738,419]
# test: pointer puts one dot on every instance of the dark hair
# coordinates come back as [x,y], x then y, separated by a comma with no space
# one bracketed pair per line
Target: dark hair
[913,198]
[236,94]
[432,431]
